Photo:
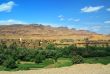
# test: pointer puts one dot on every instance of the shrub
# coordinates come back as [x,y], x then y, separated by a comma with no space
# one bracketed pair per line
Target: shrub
[51,47]
[10,63]
[2,58]
[24,54]
[3,45]
[69,51]
[77,59]
[48,61]
[56,56]
[13,46]
[39,58]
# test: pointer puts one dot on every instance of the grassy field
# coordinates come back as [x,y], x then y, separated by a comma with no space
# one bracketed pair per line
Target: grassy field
[102,60]
[49,63]
[62,62]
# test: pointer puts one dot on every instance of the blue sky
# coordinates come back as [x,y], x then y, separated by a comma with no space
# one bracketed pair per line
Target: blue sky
[93,15]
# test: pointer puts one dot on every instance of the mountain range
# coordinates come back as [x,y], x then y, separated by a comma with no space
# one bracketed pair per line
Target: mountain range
[39,31]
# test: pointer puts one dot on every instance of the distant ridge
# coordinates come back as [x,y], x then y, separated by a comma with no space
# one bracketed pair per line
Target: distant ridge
[39,31]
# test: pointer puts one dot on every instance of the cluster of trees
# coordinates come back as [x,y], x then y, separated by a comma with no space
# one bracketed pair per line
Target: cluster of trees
[11,55]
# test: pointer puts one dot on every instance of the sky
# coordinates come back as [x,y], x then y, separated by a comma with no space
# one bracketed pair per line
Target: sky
[92,15]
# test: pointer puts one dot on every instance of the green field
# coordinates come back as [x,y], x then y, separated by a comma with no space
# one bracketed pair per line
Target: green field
[62,62]
[102,60]
[49,63]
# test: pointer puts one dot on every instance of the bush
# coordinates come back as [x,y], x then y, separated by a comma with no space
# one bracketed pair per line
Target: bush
[10,63]
[39,58]
[48,61]
[77,59]
[51,47]
[2,58]
[69,51]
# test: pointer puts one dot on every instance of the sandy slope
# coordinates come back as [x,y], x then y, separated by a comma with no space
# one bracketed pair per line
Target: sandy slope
[75,69]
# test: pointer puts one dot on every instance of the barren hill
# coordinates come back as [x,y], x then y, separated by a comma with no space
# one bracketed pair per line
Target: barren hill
[40,30]
[35,31]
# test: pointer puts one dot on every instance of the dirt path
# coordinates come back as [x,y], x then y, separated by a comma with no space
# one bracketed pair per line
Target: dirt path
[75,69]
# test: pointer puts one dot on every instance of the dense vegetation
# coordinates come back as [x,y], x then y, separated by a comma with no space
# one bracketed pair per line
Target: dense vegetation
[11,56]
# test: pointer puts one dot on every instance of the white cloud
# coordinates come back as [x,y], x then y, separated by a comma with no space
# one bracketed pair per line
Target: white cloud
[7,7]
[83,28]
[61,17]
[11,21]
[108,9]
[74,20]
[70,19]
[94,28]
[91,9]
[107,22]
